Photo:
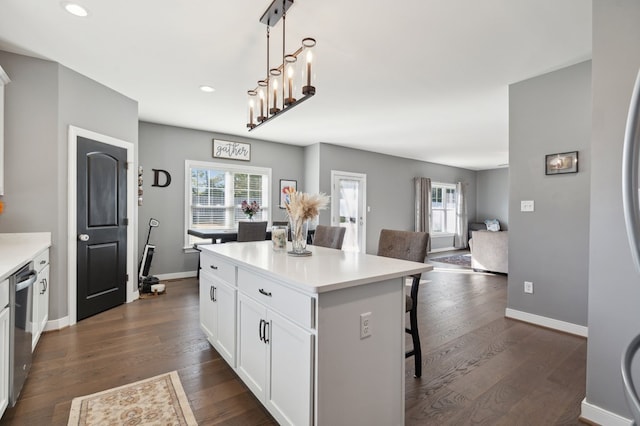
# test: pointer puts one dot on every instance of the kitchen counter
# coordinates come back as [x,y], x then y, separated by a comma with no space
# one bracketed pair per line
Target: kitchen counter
[18,249]
[325,270]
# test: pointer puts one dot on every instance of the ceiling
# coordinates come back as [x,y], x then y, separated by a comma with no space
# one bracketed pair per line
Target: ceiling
[421,79]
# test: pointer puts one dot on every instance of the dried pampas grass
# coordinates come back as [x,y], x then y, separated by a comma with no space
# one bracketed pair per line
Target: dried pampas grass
[303,206]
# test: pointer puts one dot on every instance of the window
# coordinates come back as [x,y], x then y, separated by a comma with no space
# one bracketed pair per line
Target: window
[214,192]
[443,208]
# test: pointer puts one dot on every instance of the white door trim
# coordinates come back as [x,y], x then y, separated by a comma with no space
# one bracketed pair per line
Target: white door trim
[335,212]
[132,290]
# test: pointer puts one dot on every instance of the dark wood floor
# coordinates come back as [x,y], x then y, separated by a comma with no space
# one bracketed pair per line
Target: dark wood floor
[479,368]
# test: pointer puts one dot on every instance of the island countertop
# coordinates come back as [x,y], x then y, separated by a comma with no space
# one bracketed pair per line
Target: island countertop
[18,249]
[325,270]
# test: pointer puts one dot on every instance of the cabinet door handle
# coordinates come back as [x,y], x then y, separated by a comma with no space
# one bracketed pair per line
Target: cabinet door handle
[214,267]
[44,286]
[266,293]
[211,294]
[261,330]
[266,332]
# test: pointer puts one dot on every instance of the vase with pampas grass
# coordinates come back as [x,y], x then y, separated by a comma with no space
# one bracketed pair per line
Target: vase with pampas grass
[302,208]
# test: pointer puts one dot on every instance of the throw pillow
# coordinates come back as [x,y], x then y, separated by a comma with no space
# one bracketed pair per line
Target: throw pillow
[492,225]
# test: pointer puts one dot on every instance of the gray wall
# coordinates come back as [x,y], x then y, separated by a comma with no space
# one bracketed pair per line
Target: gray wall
[550,114]
[614,283]
[390,191]
[167,148]
[312,169]
[493,196]
[42,100]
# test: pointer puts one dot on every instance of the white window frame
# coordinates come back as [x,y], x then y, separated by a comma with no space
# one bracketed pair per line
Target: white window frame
[189,164]
[444,186]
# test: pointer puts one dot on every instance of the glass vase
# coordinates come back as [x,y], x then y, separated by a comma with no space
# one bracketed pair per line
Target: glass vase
[299,229]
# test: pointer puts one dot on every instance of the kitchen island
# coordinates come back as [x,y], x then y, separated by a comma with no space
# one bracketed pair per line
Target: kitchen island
[320,339]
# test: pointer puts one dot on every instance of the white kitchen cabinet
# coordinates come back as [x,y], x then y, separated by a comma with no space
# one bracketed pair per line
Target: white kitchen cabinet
[290,363]
[274,354]
[4,80]
[218,308]
[218,315]
[252,350]
[4,357]
[40,296]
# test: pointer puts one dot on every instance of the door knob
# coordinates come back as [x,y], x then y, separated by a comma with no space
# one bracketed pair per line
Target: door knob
[83,237]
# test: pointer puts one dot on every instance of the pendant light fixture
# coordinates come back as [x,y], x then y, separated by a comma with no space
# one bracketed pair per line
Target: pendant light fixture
[288,84]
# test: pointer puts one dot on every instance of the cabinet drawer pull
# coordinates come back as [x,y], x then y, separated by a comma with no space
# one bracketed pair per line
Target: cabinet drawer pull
[214,267]
[42,262]
[266,332]
[261,330]
[266,293]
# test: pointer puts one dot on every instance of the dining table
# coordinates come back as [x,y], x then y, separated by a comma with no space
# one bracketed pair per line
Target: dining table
[226,236]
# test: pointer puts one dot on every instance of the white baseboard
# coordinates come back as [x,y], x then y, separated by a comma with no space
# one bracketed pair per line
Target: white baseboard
[597,415]
[57,324]
[555,324]
[176,275]
[443,249]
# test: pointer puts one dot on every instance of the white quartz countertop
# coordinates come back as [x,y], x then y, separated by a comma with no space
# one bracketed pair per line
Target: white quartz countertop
[325,270]
[16,250]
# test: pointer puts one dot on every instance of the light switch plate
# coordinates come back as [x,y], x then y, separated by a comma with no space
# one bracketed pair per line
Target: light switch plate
[526,206]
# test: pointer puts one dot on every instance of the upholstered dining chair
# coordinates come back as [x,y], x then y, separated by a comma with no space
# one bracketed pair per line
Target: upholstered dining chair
[252,231]
[329,236]
[408,246]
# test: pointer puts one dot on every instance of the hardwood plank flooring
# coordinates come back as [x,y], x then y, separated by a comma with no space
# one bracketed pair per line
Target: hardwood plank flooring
[478,367]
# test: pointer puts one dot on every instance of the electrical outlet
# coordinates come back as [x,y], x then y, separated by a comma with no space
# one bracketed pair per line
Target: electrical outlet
[526,206]
[528,287]
[365,325]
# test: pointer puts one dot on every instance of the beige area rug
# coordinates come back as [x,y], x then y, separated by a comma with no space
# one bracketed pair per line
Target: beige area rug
[159,400]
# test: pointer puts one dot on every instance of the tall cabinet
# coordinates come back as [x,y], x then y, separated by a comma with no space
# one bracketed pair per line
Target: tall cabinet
[4,80]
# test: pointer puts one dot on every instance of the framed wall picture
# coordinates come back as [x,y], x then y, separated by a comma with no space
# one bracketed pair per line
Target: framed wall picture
[231,150]
[286,186]
[565,162]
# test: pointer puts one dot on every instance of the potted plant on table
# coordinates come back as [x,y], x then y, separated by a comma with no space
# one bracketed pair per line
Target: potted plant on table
[250,208]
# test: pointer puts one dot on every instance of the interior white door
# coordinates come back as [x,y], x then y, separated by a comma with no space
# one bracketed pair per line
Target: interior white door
[349,208]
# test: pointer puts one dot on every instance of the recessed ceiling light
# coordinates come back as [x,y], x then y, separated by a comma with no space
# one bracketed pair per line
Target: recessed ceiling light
[207,89]
[75,9]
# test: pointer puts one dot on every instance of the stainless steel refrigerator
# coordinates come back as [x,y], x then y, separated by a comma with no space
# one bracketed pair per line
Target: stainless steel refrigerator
[631,205]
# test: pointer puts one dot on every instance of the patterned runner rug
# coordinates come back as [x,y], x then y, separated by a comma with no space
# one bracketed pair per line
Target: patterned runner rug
[458,259]
[159,400]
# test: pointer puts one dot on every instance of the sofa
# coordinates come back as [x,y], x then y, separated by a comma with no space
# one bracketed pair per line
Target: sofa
[490,251]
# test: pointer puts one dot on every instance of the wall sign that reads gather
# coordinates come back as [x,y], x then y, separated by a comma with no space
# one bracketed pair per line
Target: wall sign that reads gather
[231,150]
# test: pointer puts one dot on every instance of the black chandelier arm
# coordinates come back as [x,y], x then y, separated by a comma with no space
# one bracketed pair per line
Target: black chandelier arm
[282,111]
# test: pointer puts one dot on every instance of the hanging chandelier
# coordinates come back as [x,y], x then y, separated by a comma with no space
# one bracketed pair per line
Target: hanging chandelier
[291,82]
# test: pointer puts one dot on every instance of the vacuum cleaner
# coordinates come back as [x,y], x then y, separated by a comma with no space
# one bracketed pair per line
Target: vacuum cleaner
[145,281]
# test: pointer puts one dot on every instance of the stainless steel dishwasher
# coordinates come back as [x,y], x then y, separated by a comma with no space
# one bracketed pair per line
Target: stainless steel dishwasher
[20,328]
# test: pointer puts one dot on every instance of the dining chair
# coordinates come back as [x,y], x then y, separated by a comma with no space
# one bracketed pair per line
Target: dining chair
[252,231]
[408,246]
[329,236]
